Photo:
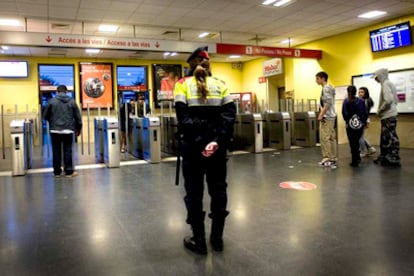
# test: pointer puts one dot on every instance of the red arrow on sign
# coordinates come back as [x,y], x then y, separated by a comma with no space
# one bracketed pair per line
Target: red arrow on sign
[48,39]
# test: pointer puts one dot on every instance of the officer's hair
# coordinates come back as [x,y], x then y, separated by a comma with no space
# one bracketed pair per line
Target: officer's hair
[201,72]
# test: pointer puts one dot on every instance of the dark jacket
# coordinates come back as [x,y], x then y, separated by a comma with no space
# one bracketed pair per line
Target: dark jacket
[357,106]
[62,113]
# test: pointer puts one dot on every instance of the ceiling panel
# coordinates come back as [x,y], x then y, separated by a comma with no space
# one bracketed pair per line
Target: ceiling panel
[238,21]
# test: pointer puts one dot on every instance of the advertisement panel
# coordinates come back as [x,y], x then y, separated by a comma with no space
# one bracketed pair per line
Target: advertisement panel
[165,77]
[96,85]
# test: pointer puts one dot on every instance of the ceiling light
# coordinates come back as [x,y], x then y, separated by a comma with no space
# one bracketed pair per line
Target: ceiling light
[283,3]
[9,22]
[166,54]
[5,47]
[108,28]
[234,56]
[174,54]
[203,34]
[286,41]
[371,14]
[92,51]
[268,2]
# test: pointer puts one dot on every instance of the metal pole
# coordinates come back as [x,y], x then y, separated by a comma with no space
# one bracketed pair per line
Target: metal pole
[81,132]
[89,126]
[2,132]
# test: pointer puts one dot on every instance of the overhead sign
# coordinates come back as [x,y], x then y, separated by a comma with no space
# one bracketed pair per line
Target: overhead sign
[272,67]
[233,49]
[298,185]
[85,41]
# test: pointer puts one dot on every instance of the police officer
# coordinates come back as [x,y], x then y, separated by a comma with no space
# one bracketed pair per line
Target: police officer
[206,115]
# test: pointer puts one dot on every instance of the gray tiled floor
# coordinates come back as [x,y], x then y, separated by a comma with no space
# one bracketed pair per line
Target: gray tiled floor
[130,221]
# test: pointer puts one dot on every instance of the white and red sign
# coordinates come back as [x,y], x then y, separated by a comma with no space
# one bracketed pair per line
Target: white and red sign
[272,67]
[233,49]
[298,185]
[86,41]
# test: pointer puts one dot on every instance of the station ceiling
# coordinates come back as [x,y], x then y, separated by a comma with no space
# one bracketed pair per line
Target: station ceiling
[244,22]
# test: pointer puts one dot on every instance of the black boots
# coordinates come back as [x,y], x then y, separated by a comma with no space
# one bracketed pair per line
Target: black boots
[197,243]
[217,227]
[216,236]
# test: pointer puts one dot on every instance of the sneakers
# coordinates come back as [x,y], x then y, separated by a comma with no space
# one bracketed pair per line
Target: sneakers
[71,175]
[363,154]
[371,150]
[324,162]
[58,175]
[327,163]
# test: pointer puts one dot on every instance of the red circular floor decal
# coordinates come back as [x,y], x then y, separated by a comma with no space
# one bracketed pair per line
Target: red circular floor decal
[298,185]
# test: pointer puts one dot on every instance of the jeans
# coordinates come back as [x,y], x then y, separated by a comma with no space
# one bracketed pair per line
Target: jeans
[59,140]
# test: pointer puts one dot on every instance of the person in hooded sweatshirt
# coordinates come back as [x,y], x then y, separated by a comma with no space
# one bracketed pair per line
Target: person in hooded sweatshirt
[387,112]
[64,119]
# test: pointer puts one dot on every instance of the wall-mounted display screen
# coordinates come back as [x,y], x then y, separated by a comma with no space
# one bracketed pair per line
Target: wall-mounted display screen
[51,76]
[14,69]
[391,37]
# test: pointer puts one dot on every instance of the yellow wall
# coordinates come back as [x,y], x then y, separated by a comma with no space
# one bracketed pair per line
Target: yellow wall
[350,54]
[346,55]
[252,70]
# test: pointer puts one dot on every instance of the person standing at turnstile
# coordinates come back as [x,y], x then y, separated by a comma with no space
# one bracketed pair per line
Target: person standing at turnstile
[206,115]
[64,119]
[327,119]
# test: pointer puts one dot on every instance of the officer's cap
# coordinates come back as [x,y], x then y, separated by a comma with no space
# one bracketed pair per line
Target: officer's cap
[199,52]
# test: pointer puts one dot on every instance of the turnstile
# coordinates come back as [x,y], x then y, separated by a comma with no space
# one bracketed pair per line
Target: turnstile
[18,147]
[165,122]
[135,147]
[111,142]
[305,129]
[151,139]
[278,129]
[28,143]
[249,132]
[99,139]
[172,135]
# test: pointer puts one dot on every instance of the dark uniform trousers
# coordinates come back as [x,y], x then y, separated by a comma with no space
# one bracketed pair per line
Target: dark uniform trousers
[195,167]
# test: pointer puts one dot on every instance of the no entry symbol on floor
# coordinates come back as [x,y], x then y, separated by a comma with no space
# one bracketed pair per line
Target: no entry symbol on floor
[298,185]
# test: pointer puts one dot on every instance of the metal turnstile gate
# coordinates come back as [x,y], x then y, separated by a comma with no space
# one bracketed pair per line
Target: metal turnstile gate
[151,140]
[111,142]
[305,129]
[278,130]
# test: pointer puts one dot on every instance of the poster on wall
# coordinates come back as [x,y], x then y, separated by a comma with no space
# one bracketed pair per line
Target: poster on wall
[96,85]
[165,77]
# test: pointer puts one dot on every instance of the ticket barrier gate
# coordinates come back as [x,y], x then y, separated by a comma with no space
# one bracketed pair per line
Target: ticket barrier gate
[22,146]
[169,129]
[250,132]
[172,145]
[305,129]
[111,142]
[165,123]
[151,140]
[278,130]
[99,139]
[135,147]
